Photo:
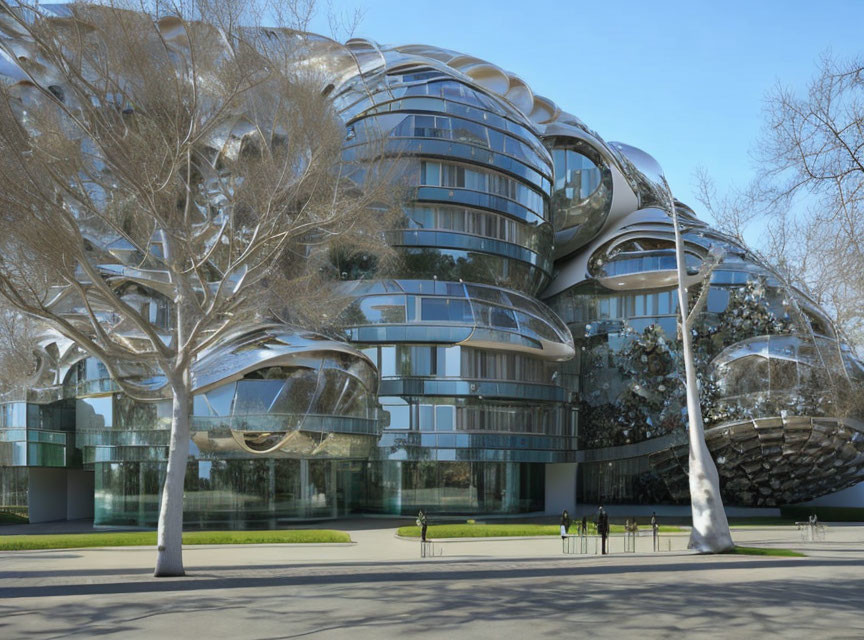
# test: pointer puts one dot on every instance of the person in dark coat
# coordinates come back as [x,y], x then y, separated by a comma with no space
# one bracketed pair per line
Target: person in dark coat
[603,527]
[655,528]
[584,525]
[565,523]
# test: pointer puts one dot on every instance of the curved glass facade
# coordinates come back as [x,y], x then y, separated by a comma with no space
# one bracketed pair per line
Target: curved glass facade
[582,194]
[526,335]
[763,360]
[467,356]
[481,177]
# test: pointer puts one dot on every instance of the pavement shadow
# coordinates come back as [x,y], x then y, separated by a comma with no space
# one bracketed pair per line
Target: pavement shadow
[203,580]
[670,599]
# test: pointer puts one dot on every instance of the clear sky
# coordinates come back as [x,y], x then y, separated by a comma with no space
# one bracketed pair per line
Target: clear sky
[683,80]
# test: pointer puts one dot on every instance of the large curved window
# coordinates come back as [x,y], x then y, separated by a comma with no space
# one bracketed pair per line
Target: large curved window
[628,263]
[290,394]
[537,238]
[456,176]
[484,307]
[473,266]
[495,365]
[582,194]
[642,255]
[465,131]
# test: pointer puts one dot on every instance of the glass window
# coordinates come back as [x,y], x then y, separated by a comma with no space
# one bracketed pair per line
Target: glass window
[501,317]
[94,369]
[470,132]
[297,393]
[383,309]
[256,396]
[418,361]
[94,413]
[430,173]
[426,417]
[19,454]
[445,310]
[718,299]
[220,399]
[388,362]
[444,417]
[400,412]
[454,176]
[13,415]
[665,303]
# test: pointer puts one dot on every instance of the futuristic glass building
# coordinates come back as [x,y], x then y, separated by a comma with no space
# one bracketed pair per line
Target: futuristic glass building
[522,354]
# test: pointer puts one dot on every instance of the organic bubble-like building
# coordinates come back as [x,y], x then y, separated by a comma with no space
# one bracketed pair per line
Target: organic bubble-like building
[521,356]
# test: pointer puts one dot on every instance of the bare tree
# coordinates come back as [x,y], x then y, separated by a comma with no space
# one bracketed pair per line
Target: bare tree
[170,156]
[814,149]
[759,217]
[19,345]
[710,533]
[808,203]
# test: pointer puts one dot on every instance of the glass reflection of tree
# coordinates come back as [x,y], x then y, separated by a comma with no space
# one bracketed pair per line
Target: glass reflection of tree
[651,401]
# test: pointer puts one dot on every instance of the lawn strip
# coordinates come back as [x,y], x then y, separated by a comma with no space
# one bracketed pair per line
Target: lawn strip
[148,538]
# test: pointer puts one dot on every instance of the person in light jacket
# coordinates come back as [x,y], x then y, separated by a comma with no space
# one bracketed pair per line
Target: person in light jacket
[423,523]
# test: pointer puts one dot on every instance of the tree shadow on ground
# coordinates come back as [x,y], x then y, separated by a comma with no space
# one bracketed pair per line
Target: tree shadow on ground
[770,597]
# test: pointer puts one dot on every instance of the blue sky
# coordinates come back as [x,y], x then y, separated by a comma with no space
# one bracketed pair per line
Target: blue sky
[685,81]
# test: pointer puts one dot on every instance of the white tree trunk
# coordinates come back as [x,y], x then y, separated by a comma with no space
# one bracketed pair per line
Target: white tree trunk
[169,559]
[710,532]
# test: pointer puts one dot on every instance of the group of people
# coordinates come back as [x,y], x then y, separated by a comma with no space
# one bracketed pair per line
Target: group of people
[602,523]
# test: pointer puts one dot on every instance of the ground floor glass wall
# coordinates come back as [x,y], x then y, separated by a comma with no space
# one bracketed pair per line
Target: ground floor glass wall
[267,492]
[624,481]
[405,487]
[232,493]
[13,493]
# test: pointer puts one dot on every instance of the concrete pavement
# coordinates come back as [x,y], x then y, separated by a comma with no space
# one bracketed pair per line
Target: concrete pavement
[380,588]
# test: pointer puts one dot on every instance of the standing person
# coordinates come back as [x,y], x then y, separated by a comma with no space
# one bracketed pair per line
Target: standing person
[423,523]
[603,527]
[654,528]
[584,525]
[565,523]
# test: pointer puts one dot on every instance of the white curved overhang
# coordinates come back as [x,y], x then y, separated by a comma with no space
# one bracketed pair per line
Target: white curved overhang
[269,345]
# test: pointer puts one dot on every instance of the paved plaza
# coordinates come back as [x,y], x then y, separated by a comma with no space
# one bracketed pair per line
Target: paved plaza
[379,587]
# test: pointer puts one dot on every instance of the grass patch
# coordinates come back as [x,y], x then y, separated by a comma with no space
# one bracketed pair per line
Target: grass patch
[505,530]
[7,517]
[764,551]
[148,538]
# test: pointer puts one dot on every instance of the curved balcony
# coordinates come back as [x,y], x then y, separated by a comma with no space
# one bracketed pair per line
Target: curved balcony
[476,447]
[473,388]
[287,435]
[451,138]
[631,270]
[434,239]
[532,236]
[274,393]
[456,313]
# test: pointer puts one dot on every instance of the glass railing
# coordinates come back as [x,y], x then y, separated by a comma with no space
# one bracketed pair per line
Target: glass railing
[665,261]
[97,385]
[291,422]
